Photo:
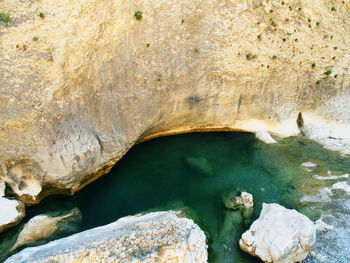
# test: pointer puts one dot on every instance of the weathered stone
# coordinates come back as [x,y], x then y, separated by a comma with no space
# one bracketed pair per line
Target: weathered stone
[73,102]
[43,226]
[12,211]
[153,237]
[279,235]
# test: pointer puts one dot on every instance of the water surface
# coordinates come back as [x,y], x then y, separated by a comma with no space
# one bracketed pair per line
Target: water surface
[193,171]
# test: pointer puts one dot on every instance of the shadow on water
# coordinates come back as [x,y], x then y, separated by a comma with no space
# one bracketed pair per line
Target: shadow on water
[193,171]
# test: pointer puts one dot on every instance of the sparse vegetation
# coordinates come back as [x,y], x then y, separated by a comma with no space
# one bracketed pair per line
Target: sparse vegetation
[35,38]
[335,76]
[5,18]
[335,48]
[182,21]
[273,23]
[333,8]
[271,11]
[159,77]
[287,19]
[333,58]
[284,39]
[138,15]
[282,3]
[328,72]
[250,56]
[318,82]
[274,57]
[313,65]
[259,37]
[318,23]
[148,44]
[42,15]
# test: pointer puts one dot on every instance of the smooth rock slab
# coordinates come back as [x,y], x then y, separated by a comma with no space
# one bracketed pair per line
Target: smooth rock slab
[153,237]
[43,226]
[279,235]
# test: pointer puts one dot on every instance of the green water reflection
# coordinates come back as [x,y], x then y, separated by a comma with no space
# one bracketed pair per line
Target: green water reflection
[194,170]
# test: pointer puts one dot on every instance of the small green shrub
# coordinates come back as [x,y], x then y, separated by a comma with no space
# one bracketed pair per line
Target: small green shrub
[333,8]
[42,15]
[335,48]
[282,3]
[5,18]
[284,40]
[313,65]
[271,11]
[159,77]
[138,15]
[274,57]
[328,72]
[318,23]
[259,37]
[182,21]
[148,44]
[318,82]
[335,76]
[35,38]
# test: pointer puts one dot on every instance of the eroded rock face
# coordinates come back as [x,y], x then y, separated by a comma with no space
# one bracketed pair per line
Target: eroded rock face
[159,236]
[84,82]
[279,235]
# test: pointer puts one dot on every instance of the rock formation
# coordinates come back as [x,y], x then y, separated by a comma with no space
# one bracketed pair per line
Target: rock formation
[279,235]
[83,81]
[158,236]
[43,226]
[243,203]
[12,211]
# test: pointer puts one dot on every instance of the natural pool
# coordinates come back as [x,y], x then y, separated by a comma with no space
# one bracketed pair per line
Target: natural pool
[193,171]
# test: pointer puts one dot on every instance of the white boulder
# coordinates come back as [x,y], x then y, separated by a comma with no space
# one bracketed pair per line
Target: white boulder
[11,211]
[279,235]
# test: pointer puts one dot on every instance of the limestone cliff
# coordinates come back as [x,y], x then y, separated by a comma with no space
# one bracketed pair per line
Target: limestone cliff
[82,81]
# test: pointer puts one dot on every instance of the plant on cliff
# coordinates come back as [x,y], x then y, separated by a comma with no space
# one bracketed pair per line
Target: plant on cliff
[5,18]
[138,15]
[328,72]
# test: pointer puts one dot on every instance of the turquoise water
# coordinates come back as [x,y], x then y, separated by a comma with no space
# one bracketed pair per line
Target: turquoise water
[193,171]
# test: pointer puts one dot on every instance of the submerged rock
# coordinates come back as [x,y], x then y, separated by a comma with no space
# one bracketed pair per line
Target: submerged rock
[44,226]
[12,211]
[153,237]
[279,235]
[243,203]
[200,165]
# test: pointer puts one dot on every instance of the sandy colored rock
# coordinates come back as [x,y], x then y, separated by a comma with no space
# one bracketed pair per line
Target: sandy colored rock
[279,235]
[42,227]
[85,82]
[153,237]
